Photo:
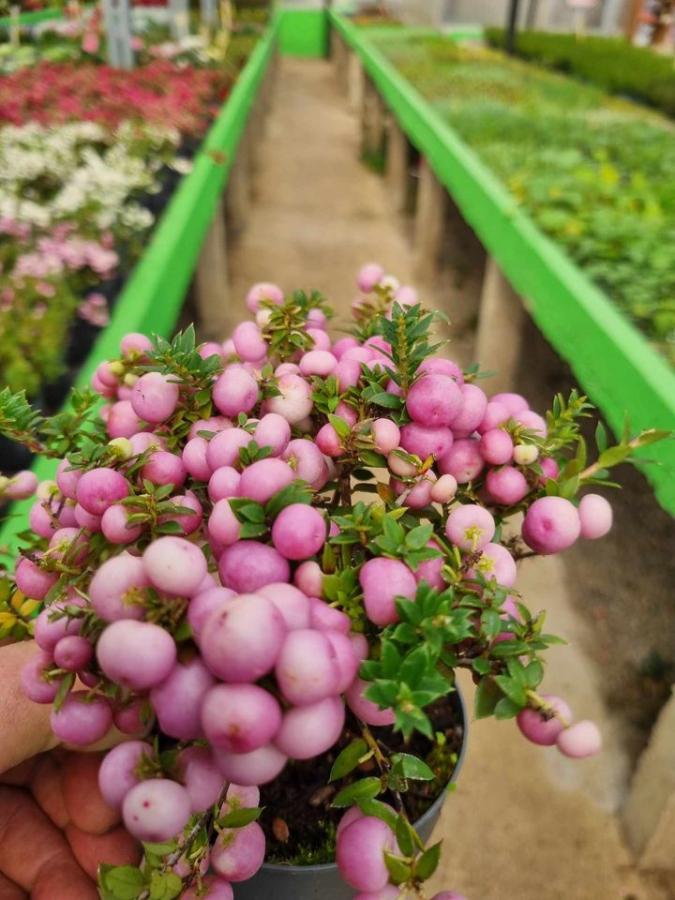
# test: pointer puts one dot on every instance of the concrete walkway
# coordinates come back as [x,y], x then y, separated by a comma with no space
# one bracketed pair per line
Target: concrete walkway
[524,824]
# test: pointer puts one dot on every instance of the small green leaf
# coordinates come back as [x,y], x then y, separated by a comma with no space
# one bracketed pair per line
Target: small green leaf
[237,818]
[365,789]
[601,437]
[122,882]
[165,886]
[399,870]
[379,810]
[348,759]
[389,401]
[405,836]
[341,427]
[487,697]
[64,689]
[427,864]
[410,766]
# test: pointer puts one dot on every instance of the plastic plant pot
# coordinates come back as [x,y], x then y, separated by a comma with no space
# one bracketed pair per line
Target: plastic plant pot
[323,882]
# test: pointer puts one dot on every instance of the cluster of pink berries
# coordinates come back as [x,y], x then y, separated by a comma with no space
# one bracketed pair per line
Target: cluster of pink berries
[19,486]
[226,640]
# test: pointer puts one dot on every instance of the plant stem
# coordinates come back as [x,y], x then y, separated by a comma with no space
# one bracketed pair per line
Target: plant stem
[538,702]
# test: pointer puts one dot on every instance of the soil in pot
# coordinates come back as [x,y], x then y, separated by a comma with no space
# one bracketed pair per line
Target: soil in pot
[298,820]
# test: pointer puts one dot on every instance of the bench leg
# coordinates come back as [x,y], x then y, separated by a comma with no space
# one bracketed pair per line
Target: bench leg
[430,213]
[211,283]
[500,328]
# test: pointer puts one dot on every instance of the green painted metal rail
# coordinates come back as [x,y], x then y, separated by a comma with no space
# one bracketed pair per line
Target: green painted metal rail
[32,18]
[152,299]
[616,366]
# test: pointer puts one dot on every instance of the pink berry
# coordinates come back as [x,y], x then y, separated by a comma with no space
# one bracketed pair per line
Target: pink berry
[73,652]
[299,531]
[463,461]
[134,654]
[359,853]
[213,889]
[201,776]
[194,458]
[115,525]
[434,400]
[248,565]
[203,604]
[294,402]
[444,489]
[382,581]
[240,717]
[542,728]
[33,581]
[496,563]
[117,588]
[177,700]
[595,515]
[164,468]
[238,853]
[308,731]
[99,488]
[155,397]
[293,605]
[506,485]
[241,641]
[307,667]
[424,442]
[318,362]
[135,344]
[34,684]
[307,461]
[369,276]
[580,740]
[175,565]
[323,617]
[365,709]
[224,526]
[474,404]
[264,292]
[255,768]
[496,447]
[235,391]
[309,578]
[122,421]
[551,525]
[470,527]
[156,810]
[118,771]
[81,720]
[249,342]
[263,479]
[223,449]
[273,431]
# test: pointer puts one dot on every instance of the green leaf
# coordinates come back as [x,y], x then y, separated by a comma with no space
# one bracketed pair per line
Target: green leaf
[487,697]
[121,882]
[613,456]
[506,709]
[365,789]
[419,537]
[64,689]
[399,870]
[371,458]
[297,492]
[427,864]
[341,427]
[513,690]
[165,886]
[379,810]
[410,766]
[237,818]
[389,401]
[348,759]
[600,437]
[405,836]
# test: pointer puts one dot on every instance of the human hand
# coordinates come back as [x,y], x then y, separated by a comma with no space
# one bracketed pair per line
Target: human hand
[55,828]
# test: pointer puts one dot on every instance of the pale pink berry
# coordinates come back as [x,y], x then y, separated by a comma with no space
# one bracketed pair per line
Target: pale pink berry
[580,740]
[595,515]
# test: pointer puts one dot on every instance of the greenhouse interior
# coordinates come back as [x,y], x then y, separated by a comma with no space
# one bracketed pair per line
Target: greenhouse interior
[337,449]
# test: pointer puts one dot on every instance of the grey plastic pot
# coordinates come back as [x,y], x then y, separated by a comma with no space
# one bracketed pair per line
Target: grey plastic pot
[280,882]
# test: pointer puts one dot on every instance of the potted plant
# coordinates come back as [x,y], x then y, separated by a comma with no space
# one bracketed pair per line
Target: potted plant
[264,562]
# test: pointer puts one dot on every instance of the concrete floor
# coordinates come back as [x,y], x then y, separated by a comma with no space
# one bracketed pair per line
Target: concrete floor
[524,823]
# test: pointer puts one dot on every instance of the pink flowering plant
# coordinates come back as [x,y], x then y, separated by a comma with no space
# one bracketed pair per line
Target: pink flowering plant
[276,553]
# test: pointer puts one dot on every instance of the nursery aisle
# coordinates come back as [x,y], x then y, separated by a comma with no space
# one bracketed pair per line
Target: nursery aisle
[524,824]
